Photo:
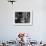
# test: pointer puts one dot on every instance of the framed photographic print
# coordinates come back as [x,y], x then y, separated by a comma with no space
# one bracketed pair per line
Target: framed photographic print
[23,18]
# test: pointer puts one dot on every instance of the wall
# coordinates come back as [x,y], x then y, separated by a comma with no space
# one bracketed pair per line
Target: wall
[9,31]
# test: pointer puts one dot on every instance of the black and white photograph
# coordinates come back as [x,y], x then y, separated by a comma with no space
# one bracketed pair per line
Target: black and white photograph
[23,18]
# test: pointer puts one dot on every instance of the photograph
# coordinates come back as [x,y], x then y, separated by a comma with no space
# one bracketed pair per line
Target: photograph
[23,18]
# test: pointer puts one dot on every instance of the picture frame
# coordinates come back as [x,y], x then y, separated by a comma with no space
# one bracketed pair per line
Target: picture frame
[23,18]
